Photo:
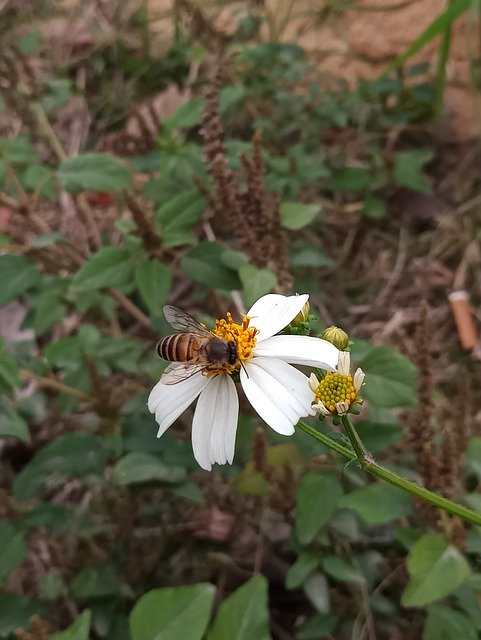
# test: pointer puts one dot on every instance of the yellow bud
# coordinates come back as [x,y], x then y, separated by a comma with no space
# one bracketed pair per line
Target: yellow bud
[337,337]
[302,316]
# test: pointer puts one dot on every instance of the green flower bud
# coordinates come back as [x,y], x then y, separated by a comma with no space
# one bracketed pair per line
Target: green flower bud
[302,316]
[337,337]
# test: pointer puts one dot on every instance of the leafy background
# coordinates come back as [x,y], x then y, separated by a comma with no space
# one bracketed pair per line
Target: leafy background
[129,179]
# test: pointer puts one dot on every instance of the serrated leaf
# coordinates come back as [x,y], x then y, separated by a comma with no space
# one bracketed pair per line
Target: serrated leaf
[255,282]
[317,498]
[186,116]
[73,454]
[317,591]
[374,207]
[390,378]
[429,563]
[95,581]
[177,216]
[16,612]
[170,614]
[11,423]
[109,267]
[153,282]
[204,264]
[135,468]
[94,172]
[351,179]
[305,564]
[13,546]
[341,570]
[244,615]
[297,215]
[17,275]
[78,630]
[377,503]
[444,623]
[408,169]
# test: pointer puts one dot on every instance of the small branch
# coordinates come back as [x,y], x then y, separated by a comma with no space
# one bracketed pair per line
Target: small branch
[129,306]
[368,464]
[52,383]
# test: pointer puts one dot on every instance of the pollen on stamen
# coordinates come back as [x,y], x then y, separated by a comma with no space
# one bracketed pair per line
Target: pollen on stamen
[243,335]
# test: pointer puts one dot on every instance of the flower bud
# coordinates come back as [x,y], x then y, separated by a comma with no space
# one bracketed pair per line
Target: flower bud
[302,316]
[337,337]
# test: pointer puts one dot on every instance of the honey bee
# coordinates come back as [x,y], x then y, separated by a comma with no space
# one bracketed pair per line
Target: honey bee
[194,348]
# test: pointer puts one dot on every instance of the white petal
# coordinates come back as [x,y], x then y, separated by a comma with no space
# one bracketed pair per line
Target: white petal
[169,401]
[273,312]
[313,352]
[215,423]
[313,382]
[320,407]
[279,393]
[344,364]
[359,378]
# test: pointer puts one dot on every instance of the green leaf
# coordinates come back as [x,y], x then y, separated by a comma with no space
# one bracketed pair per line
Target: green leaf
[473,456]
[341,570]
[390,378]
[55,517]
[19,150]
[444,623]
[50,586]
[374,207]
[41,179]
[73,454]
[186,116]
[95,172]
[11,423]
[16,611]
[29,43]
[9,371]
[177,216]
[408,169]
[317,591]
[306,563]
[436,569]
[95,581]
[170,614]
[204,264]
[78,630]
[13,546]
[255,282]
[438,27]
[17,275]
[153,282]
[351,179]
[319,626]
[47,239]
[136,468]
[109,267]
[244,615]
[311,257]
[317,499]
[296,215]
[377,503]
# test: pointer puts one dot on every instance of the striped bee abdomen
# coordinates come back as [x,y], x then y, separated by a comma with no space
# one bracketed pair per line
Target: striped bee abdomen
[180,347]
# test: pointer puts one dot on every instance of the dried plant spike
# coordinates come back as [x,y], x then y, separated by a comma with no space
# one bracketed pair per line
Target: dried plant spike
[463,317]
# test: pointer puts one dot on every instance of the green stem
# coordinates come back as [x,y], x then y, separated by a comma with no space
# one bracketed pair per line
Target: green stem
[371,466]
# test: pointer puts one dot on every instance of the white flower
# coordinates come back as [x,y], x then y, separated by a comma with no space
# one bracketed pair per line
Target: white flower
[337,392]
[277,391]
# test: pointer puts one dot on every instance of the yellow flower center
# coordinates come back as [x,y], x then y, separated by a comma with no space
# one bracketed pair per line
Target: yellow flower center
[243,336]
[334,388]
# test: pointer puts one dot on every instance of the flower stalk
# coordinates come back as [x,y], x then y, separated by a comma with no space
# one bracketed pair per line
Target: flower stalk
[368,463]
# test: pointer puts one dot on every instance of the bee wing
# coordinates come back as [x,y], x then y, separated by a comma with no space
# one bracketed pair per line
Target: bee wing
[177,371]
[182,321]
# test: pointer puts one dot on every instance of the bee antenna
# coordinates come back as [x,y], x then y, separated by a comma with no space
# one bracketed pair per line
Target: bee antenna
[242,365]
